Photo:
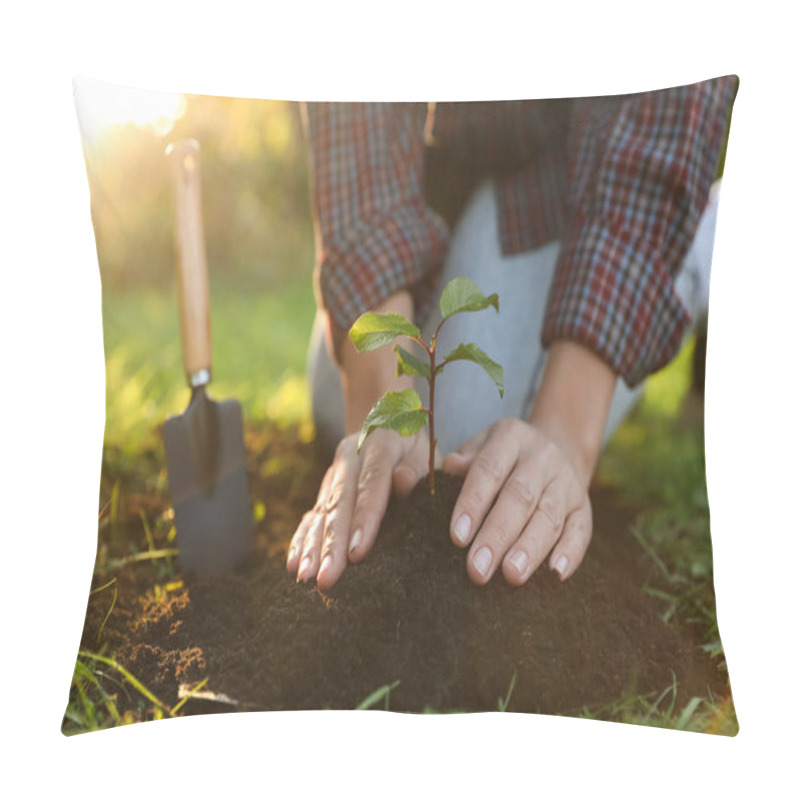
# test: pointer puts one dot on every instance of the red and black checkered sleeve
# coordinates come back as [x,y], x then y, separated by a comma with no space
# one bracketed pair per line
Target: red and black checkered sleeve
[640,170]
[375,234]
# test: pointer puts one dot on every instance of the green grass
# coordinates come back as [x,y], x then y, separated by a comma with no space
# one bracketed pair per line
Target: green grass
[259,351]
[699,714]
[375,697]
[92,708]
[655,462]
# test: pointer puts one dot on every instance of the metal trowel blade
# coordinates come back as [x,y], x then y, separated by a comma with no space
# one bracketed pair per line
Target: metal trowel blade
[208,484]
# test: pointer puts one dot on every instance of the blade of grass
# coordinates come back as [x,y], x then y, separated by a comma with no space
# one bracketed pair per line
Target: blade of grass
[151,545]
[87,675]
[687,712]
[432,710]
[377,696]
[108,614]
[651,552]
[104,586]
[146,556]
[75,718]
[502,705]
[114,512]
[673,687]
[106,677]
[88,705]
[674,696]
[177,707]
[132,679]
[103,510]
[670,598]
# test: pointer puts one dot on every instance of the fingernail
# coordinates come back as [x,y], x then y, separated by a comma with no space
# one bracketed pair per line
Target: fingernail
[561,566]
[305,569]
[291,557]
[520,561]
[462,528]
[355,540]
[482,561]
[326,564]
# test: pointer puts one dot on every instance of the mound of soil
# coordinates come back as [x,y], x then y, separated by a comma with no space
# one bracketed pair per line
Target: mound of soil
[409,614]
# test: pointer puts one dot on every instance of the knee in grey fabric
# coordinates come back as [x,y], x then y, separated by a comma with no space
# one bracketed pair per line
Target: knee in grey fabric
[325,386]
[466,399]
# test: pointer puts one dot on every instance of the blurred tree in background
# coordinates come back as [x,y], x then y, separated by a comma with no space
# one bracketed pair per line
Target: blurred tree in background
[255,195]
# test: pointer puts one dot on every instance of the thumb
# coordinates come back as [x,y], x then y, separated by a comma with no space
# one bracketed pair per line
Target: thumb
[411,468]
[458,462]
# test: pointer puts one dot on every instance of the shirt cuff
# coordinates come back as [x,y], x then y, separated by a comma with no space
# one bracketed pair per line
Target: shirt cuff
[614,294]
[380,257]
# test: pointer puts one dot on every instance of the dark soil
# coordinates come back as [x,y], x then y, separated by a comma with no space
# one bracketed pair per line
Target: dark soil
[408,613]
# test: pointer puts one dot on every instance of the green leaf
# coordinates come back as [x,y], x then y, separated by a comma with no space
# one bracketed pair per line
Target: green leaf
[395,411]
[461,294]
[471,352]
[371,331]
[408,364]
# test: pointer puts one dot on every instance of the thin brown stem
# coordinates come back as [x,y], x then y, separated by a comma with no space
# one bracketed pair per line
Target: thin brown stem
[432,398]
[420,343]
[431,351]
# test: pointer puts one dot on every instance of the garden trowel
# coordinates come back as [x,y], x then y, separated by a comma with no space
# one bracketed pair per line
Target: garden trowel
[205,444]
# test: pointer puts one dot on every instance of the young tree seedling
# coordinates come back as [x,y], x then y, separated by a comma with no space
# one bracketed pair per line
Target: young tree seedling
[402,411]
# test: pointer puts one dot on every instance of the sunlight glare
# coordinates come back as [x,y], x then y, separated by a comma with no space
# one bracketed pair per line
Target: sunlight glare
[102,106]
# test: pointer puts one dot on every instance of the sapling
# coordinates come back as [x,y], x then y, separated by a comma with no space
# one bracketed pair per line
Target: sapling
[403,411]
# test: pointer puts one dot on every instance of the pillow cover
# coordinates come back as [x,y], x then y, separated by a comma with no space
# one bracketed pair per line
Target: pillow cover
[597,215]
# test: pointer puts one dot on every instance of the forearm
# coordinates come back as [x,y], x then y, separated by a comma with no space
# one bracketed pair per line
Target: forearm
[376,235]
[573,401]
[367,376]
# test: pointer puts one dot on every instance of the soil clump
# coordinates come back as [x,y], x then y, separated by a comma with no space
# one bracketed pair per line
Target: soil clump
[409,614]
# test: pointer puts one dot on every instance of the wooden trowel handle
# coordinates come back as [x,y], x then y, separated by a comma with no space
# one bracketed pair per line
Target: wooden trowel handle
[192,271]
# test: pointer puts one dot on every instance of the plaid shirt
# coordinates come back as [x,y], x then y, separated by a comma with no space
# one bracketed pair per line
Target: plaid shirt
[621,181]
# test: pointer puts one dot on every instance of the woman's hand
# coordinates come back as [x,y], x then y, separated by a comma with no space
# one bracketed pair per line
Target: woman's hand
[351,503]
[522,499]
[525,495]
[355,491]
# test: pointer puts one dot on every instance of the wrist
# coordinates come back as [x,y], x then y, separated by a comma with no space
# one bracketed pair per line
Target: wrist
[367,376]
[572,404]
